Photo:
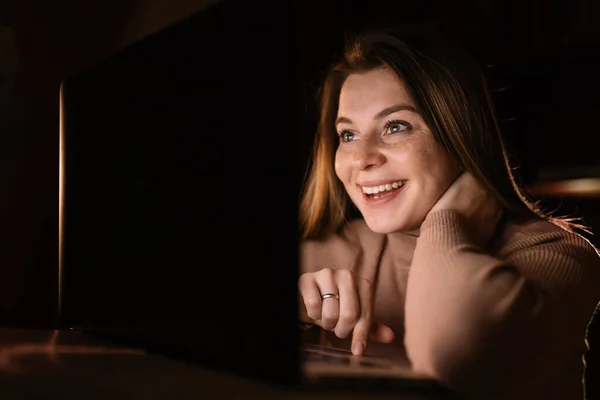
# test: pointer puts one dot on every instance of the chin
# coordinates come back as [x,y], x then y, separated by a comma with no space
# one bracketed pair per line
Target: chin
[384,227]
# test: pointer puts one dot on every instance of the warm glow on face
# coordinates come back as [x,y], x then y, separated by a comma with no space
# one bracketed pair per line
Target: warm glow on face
[387,158]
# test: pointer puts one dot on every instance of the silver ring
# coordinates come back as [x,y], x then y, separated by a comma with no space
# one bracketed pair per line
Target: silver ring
[330,296]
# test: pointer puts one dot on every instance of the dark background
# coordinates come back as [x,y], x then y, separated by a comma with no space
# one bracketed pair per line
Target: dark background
[543,58]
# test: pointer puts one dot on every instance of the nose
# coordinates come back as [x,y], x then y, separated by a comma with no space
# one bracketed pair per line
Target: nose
[367,156]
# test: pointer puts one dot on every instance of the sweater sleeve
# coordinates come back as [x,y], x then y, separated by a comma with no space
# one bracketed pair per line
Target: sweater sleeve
[485,325]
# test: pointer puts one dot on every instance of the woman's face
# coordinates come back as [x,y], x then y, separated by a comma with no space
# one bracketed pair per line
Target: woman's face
[388,160]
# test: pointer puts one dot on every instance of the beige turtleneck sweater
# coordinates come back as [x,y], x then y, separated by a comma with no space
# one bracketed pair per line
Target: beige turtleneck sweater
[509,322]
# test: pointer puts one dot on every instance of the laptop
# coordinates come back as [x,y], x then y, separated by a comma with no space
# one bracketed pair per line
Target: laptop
[180,174]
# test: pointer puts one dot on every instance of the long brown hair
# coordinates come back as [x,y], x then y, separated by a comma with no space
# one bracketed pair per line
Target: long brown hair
[451,94]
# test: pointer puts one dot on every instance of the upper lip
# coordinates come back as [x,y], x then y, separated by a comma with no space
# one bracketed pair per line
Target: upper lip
[378,182]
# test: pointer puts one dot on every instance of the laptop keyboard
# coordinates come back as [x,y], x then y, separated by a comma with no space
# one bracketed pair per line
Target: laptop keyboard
[338,357]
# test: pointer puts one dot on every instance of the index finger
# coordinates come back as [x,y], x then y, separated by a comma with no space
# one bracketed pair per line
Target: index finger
[360,334]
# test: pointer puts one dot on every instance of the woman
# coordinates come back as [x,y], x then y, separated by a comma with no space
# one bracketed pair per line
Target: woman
[449,261]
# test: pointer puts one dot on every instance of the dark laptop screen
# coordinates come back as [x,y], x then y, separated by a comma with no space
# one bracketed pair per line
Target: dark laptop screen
[180,192]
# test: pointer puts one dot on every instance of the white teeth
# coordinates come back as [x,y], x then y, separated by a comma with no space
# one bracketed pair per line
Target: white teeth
[382,188]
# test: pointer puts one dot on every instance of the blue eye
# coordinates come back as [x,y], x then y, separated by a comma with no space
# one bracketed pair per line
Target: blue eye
[396,126]
[346,136]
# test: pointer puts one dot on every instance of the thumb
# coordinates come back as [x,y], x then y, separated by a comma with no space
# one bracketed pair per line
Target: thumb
[381,333]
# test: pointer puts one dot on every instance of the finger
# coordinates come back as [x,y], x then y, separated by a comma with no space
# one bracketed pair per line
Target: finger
[302,312]
[381,333]
[330,310]
[310,304]
[362,328]
[349,303]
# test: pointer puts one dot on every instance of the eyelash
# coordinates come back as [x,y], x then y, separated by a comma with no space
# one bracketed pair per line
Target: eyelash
[386,127]
[341,135]
[397,121]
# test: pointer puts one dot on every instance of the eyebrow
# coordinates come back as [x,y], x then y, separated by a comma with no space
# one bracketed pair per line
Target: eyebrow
[381,114]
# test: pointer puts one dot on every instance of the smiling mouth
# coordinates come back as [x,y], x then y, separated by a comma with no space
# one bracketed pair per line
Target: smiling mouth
[381,191]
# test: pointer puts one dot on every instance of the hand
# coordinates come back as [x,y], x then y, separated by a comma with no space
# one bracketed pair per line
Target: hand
[481,210]
[352,312]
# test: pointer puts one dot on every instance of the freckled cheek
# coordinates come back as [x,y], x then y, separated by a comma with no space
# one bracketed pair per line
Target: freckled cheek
[415,161]
[441,169]
[422,167]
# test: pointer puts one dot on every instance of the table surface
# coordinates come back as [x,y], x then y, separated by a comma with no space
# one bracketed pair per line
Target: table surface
[48,364]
